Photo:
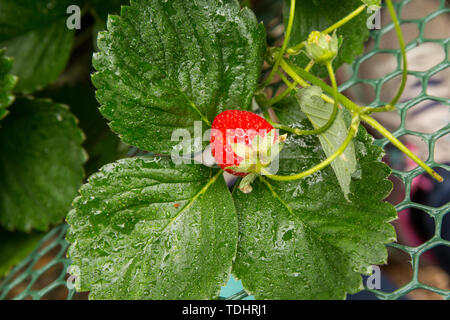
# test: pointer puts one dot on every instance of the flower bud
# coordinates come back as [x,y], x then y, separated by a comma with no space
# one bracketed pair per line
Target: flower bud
[321,47]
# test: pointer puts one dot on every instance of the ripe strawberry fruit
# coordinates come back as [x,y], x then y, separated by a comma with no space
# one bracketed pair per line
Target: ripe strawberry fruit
[233,134]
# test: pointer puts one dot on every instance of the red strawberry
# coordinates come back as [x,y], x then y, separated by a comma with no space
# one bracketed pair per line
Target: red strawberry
[235,127]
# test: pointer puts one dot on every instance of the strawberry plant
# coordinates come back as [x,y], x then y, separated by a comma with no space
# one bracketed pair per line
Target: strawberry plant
[302,215]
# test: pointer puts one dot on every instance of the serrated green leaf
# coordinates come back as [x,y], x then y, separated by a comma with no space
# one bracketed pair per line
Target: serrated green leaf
[14,246]
[41,164]
[101,144]
[163,63]
[7,83]
[318,15]
[35,34]
[318,113]
[144,228]
[302,239]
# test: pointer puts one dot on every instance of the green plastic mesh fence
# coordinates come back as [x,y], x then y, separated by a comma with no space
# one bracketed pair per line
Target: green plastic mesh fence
[29,279]
[48,260]
[429,138]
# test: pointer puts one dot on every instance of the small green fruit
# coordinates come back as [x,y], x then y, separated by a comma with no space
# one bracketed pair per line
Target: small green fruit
[322,48]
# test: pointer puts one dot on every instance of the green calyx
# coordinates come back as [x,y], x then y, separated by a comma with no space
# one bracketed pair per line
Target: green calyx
[257,157]
[322,48]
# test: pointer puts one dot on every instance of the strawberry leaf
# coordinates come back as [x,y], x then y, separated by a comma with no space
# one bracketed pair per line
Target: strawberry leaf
[164,64]
[144,228]
[101,144]
[302,239]
[41,164]
[318,113]
[7,83]
[35,34]
[319,15]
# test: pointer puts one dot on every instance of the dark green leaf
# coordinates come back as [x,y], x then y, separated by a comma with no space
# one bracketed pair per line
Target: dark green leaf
[163,63]
[318,113]
[35,34]
[144,228]
[101,144]
[105,7]
[318,15]
[372,3]
[302,239]
[41,164]
[7,83]
[245,3]
[14,246]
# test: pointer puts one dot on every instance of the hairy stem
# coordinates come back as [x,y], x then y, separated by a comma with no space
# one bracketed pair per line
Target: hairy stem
[297,48]
[377,126]
[310,65]
[401,41]
[299,75]
[344,20]
[282,95]
[332,117]
[290,87]
[351,133]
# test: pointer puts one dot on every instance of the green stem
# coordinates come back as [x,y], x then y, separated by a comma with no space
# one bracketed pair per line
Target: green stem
[297,48]
[287,68]
[282,95]
[291,86]
[377,126]
[369,110]
[264,104]
[302,74]
[300,132]
[283,47]
[356,110]
[401,41]
[329,66]
[330,70]
[285,80]
[351,133]
[344,20]
[310,65]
